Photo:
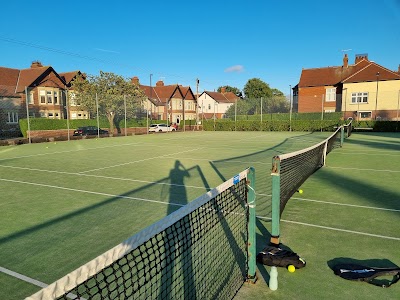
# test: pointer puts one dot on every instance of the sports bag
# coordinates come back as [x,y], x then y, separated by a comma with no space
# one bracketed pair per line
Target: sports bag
[367,274]
[276,256]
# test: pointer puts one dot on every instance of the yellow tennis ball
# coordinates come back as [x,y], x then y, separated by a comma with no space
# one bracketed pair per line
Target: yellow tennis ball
[301,191]
[291,268]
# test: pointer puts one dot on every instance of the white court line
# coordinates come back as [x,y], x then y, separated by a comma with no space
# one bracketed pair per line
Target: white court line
[187,186]
[350,205]
[181,205]
[336,229]
[32,281]
[90,192]
[105,177]
[139,161]
[67,151]
[359,169]
[23,277]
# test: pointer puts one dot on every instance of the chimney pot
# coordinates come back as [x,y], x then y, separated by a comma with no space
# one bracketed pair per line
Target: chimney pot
[160,83]
[360,57]
[223,90]
[36,64]
[345,61]
[135,80]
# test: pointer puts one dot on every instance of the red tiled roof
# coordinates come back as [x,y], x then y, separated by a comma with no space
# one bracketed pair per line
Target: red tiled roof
[69,76]
[369,73]
[8,81]
[29,76]
[228,97]
[329,75]
[162,93]
[14,81]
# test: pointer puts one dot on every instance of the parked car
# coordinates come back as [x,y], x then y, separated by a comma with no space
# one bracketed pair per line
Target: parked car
[161,128]
[89,130]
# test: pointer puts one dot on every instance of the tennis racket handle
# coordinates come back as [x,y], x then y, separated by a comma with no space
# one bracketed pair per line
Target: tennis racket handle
[273,279]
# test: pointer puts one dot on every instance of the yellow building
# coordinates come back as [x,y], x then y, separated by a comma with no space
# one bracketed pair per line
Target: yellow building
[372,93]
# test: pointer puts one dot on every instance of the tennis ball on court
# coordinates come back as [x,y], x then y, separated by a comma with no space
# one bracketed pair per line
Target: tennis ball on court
[291,268]
[300,191]
[47,147]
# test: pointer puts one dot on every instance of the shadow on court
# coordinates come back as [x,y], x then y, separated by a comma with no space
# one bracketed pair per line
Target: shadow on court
[351,186]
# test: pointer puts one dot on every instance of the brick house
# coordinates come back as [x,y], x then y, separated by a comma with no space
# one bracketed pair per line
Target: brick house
[40,90]
[351,89]
[214,105]
[174,103]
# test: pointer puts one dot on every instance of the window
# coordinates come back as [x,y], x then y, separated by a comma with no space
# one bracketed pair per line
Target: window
[30,98]
[55,97]
[209,106]
[49,97]
[72,99]
[359,97]
[330,94]
[12,117]
[365,114]
[42,95]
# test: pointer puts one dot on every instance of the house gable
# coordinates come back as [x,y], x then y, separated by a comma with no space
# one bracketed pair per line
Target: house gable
[372,72]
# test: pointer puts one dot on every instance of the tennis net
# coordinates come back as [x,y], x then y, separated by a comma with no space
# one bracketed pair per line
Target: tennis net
[204,250]
[294,168]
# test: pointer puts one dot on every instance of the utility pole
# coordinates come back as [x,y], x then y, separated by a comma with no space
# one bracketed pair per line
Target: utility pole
[197,105]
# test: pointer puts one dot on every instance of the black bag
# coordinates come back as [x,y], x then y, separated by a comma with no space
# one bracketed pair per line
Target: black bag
[276,256]
[367,274]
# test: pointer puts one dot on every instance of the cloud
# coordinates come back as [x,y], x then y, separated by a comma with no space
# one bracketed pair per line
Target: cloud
[235,69]
[105,50]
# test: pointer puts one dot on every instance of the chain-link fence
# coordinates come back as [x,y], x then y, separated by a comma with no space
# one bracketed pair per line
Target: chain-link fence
[43,112]
[50,111]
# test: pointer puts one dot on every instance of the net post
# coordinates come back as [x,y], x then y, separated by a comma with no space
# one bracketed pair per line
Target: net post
[251,247]
[341,135]
[325,153]
[276,200]
[275,214]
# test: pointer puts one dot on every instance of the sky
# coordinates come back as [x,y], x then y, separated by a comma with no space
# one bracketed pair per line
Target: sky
[218,42]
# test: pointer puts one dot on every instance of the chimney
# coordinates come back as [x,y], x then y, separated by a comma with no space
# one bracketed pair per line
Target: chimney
[345,61]
[360,57]
[223,90]
[135,80]
[160,83]
[36,64]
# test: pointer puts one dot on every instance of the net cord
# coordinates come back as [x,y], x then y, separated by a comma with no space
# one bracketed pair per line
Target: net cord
[289,155]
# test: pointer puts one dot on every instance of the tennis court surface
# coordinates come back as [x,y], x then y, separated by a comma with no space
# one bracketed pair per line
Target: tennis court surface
[65,203]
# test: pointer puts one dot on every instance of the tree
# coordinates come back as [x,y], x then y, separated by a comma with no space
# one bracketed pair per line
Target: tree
[228,88]
[113,93]
[256,88]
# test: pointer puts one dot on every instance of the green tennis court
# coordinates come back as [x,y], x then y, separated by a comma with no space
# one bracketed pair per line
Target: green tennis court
[63,204]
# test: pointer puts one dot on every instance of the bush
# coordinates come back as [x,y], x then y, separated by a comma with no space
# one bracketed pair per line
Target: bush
[297,125]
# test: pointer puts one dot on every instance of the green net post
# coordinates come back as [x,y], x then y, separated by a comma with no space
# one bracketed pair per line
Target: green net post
[276,199]
[251,200]
[341,136]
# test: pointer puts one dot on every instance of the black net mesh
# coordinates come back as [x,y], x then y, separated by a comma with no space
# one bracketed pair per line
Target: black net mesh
[296,168]
[201,256]
[334,141]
